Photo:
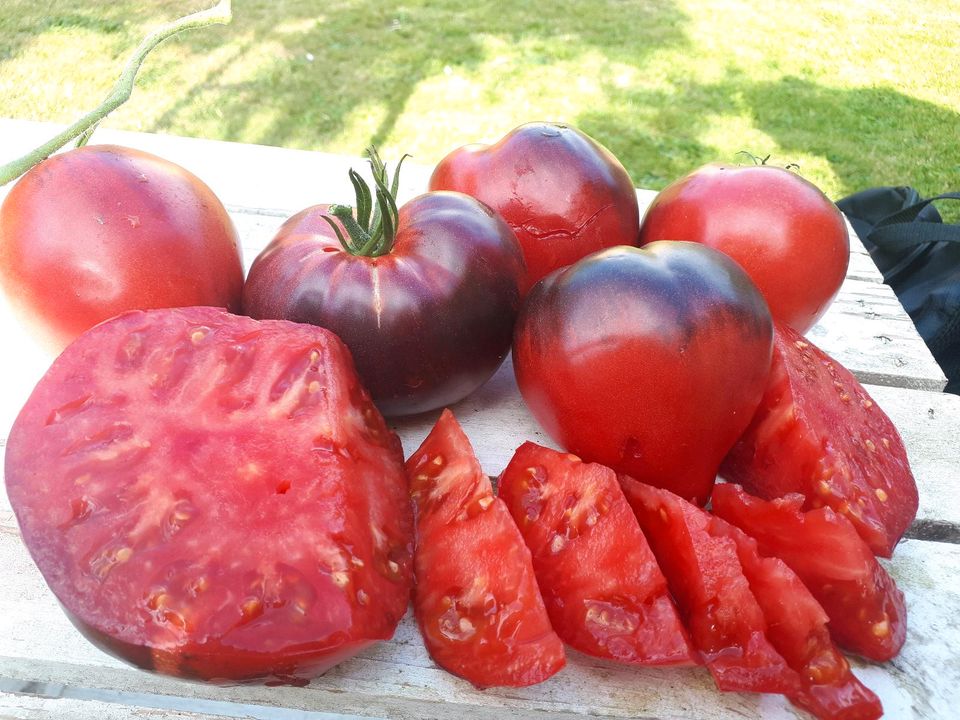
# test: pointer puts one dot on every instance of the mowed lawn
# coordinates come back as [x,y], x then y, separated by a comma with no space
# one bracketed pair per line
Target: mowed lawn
[858,93]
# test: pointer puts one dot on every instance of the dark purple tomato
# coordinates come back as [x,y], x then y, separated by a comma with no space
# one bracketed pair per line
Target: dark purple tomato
[428,322]
[650,361]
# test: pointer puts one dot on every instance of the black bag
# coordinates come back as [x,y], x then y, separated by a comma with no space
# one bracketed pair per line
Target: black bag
[919,257]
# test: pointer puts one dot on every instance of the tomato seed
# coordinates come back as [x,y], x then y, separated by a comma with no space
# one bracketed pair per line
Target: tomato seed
[881,494]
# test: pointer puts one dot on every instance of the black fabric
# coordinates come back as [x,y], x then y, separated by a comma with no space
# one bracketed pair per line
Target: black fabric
[919,257]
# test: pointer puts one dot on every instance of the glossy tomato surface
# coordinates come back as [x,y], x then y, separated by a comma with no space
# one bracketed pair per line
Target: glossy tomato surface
[818,432]
[99,230]
[427,323]
[601,584]
[867,612]
[564,194]
[650,361]
[797,626]
[214,497]
[475,596]
[788,236]
[723,616]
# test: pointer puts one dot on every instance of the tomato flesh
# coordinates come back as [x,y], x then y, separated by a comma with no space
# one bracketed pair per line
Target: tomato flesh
[214,497]
[868,615]
[818,433]
[475,594]
[705,576]
[601,584]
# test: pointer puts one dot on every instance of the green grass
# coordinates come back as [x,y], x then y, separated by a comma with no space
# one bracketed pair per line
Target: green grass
[858,93]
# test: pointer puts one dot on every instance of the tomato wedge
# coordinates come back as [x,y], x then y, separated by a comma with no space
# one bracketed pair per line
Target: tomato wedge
[818,433]
[705,576]
[214,497]
[797,628]
[868,615]
[602,586]
[475,594]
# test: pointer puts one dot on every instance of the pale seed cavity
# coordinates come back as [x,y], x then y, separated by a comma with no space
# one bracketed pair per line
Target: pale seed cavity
[881,629]
[881,494]
[362,597]
[869,445]
[558,543]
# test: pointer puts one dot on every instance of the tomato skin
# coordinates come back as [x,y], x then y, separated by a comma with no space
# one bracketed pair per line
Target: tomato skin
[214,497]
[475,596]
[563,194]
[102,229]
[427,323]
[788,236]
[609,352]
[818,432]
[868,615]
[601,584]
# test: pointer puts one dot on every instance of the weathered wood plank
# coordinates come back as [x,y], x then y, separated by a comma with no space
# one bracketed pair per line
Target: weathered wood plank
[31,707]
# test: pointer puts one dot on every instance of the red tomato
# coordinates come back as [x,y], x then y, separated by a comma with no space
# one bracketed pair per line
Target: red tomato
[214,497]
[427,323]
[475,595]
[705,576]
[564,195]
[601,584]
[99,230]
[797,628]
[818,433]
[867,611]
[780,228]
[650,361]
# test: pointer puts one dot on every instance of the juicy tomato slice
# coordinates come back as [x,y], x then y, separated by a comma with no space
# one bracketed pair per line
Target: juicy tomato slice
[868,615]
[601,584]
[214,497]
[818,433]
[475,594]
[705,576]
[797,628]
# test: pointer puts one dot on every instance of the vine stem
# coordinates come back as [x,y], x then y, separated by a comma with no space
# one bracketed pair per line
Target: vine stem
[220,14]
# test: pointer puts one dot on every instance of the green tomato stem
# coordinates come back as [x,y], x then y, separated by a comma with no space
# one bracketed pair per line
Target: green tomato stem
[220,14]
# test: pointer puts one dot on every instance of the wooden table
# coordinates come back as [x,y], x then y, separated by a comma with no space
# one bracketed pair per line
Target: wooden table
[48,670]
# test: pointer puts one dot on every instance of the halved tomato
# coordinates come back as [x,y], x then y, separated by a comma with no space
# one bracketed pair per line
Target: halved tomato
[214,497]
[601,584]
[867,612]
[818,433]
[705,576]
[797,628]
[475,594]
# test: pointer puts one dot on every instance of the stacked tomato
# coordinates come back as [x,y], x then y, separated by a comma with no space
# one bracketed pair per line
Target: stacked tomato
[219,497]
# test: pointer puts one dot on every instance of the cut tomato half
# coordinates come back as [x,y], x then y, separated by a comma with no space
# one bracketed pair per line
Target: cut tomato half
[602,586]
[475,594]
[818,433]
[214,497]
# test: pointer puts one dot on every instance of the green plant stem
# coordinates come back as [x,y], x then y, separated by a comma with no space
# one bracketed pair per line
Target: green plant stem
[220,14]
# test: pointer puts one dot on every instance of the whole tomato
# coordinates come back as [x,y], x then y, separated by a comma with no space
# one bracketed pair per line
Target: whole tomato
[779,227]
[427,307]
[98,230]
[650,361]
[564,194]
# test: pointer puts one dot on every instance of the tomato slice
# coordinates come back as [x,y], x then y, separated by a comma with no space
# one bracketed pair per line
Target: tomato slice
[602,586]
[475,594]
[818,433]
[797,628]
[705,576]
[214,497]
[868,615]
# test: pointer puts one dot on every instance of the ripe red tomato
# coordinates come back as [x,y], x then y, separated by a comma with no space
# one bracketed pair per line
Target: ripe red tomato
[867,611]
[475,596]
[705,576]
[428,322]
[214,497]
[650,361]
[601,584]
[779,227]
[564,195]
[99,230]
[818,433]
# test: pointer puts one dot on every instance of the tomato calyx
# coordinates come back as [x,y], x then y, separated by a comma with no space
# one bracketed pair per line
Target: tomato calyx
[372,228]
